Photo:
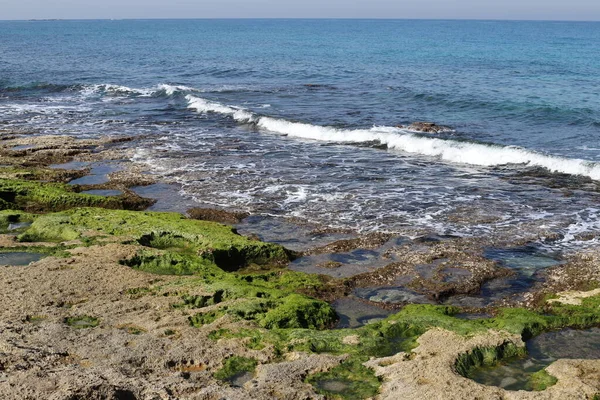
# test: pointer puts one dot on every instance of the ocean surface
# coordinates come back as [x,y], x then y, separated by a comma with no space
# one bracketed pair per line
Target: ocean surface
[299,118]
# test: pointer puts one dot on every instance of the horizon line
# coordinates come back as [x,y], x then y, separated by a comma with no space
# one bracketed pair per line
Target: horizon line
[293,18]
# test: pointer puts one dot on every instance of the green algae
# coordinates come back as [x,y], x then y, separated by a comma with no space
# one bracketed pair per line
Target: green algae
[400,332]
[46,196]
[39,174]
[167,264]
[541,380]
[276,300]
[487,356]
[208,243]
[201,319]
[234,366]
[82,322]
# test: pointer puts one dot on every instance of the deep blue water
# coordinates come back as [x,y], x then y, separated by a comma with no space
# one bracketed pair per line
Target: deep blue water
[287,117]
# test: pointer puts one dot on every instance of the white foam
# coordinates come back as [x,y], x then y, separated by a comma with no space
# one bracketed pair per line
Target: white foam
[170,90]
[119,90]
[403,140]
[204,106]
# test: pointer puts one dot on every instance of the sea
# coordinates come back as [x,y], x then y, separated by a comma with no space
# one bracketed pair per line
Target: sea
[305,119]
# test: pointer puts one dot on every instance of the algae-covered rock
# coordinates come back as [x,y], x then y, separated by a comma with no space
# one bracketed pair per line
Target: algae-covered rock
[45,196]
[298,311]
[210,244]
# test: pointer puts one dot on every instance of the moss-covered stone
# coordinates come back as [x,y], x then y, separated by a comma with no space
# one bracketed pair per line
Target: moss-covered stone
[210,243]
[45,196]
[40,174]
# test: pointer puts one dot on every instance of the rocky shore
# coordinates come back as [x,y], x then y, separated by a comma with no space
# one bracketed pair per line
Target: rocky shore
[126,303]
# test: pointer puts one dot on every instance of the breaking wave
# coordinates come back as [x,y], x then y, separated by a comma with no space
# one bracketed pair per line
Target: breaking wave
[400,139]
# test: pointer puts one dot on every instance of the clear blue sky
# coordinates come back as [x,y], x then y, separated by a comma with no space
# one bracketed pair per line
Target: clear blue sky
[451,9]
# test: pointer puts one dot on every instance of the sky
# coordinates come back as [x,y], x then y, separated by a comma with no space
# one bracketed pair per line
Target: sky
[588,10]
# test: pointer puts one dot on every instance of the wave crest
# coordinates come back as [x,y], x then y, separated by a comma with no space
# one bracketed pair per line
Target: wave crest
[400,139]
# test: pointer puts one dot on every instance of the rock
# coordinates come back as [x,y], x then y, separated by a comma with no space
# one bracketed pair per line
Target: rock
[215,215]
[426,127]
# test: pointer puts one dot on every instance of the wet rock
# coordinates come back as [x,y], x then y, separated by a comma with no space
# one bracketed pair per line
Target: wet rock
[426,127]
[370,241]
[216,215]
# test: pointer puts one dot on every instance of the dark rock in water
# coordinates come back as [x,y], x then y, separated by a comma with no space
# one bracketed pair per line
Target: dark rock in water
[214,215]
[426,127]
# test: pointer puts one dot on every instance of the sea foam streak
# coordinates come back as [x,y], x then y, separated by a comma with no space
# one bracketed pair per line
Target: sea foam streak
[399,139]
[118,90]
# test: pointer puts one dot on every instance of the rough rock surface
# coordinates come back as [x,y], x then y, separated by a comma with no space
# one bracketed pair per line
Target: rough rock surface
[429,373]
[142,348]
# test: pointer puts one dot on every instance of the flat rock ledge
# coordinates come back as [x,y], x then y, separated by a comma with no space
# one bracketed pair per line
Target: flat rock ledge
[429,373]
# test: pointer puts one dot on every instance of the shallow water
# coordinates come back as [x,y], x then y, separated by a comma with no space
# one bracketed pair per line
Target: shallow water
[16,226]
[527,262]
[542,351]
[71,165]
[337,386]
[354,313]
[294,236]
[239,379]
[393,295]
[168,197]
[299,118]
[98,174]
[19,258]
[341,265]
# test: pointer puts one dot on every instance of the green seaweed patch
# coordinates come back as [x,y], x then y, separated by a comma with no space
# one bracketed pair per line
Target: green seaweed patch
[45,196]
[40,174]
[169,263]
[209,243]
[201,319]
[350,380]
[292,311]
[82,322]
[541,380]
[400,331]
[200,301]
[234,366]
[489,356]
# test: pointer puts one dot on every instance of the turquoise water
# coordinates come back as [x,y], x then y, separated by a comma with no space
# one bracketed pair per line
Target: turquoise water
[299,117]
